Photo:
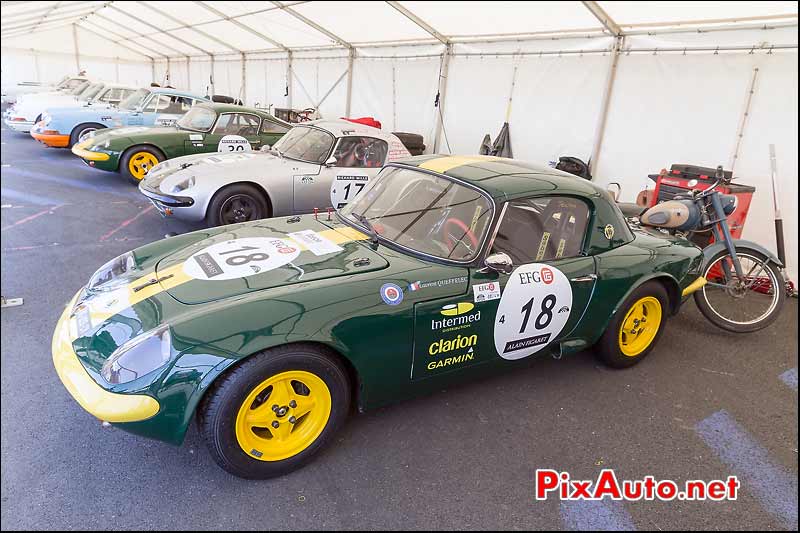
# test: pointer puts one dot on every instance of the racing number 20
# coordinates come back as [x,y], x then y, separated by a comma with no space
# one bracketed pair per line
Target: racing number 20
[545,316]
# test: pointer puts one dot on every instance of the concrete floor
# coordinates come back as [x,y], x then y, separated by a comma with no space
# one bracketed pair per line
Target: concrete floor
[704,405]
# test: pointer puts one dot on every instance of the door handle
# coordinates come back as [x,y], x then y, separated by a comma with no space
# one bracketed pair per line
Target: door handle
[590,277]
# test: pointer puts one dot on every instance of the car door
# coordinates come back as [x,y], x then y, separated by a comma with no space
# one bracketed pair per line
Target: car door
[543,299]
[539,301]
[358,159]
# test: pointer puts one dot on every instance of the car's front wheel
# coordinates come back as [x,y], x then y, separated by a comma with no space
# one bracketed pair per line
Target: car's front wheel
[636,327]
[273,412]
[236,203]
[137,161]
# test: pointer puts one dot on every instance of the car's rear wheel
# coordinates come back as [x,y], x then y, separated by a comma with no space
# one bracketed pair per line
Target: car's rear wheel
[272,413]
[237,203]
[137,161]
[82,132]
[636,327]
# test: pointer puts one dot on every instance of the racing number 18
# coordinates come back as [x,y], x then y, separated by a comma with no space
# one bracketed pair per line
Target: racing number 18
[237,260]
[545,316]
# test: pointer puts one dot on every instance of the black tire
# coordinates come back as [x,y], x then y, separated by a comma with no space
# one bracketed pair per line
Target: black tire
[133,153]
[776,281]
[609,349]
[219,409]
[80,129]
[252,204]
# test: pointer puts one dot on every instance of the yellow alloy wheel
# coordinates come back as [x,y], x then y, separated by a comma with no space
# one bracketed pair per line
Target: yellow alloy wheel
[640,326]
[140,163]
[283,415]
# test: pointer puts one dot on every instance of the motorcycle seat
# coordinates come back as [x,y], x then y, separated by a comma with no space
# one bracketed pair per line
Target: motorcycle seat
[631,210]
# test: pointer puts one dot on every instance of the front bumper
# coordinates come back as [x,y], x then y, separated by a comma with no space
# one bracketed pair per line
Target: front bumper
[99,402]
[81,151]
[170,205]
[54,140]
[19,125]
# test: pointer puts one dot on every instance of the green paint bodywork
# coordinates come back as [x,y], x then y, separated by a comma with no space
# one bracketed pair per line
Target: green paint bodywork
[174,142]
[334,300]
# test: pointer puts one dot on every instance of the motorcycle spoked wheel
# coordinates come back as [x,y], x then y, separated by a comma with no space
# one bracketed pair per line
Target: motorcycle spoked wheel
[741,305]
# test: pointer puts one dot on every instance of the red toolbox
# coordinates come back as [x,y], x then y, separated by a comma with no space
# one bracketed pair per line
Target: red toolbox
[680,179]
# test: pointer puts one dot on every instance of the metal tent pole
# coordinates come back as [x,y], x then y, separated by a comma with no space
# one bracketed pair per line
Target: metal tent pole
[743,122]
[350,61]
[448,51]
[77,51]
[601,123]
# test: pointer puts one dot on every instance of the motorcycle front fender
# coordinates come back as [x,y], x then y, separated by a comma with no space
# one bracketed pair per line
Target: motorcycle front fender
[713,249]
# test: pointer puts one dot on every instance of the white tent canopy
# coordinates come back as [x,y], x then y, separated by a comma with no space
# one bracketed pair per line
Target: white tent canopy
[630,86]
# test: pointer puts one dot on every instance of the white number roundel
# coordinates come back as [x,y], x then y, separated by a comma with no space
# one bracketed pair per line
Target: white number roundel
[234,143]
[239,258]
[345,187]
[534,308]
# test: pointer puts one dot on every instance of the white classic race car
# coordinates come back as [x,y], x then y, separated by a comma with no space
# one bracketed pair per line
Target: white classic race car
[317,165]
[13,92]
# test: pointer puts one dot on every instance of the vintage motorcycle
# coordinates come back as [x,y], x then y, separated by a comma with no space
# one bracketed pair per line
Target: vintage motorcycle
[745,282]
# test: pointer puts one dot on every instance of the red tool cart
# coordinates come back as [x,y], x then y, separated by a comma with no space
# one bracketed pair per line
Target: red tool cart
[680,179]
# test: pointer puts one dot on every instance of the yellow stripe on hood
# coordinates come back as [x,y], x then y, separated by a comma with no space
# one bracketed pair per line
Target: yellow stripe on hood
[443,164]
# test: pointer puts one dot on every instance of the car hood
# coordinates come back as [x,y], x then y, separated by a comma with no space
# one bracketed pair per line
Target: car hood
[257,256]
[247,165]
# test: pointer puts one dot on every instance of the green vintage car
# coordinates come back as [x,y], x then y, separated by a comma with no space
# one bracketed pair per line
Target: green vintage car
[443,269]
[206,127]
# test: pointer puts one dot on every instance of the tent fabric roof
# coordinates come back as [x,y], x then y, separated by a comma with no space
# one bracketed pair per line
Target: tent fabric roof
[211,27]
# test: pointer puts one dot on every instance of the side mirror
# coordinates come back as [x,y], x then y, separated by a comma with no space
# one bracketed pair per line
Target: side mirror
[265,148]
[330,161]
[500,262]
[614,194]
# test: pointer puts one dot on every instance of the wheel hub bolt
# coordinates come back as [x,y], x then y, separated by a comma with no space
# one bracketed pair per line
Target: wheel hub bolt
[293,404]
[275,407]
[275,424]
[292,420]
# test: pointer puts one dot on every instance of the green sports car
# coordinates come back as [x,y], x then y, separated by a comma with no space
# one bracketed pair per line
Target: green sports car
[206,127]
[269,333]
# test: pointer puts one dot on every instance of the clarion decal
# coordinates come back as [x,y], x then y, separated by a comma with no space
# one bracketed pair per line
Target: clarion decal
[443,346]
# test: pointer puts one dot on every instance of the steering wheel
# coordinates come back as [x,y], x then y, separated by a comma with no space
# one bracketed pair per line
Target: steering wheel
[460,228]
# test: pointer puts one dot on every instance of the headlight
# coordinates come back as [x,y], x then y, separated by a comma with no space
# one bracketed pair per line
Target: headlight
[183,185]
[138,356]
[115,273]
[47,119]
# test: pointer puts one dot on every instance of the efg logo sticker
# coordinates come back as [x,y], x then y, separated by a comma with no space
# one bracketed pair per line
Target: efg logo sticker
[391,294]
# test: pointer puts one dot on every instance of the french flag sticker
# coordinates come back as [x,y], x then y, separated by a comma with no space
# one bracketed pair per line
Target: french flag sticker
[414,286]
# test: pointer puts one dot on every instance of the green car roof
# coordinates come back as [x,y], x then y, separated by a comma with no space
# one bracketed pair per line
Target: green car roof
[505,178]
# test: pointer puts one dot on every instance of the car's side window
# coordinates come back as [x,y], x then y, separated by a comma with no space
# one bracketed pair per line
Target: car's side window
[542,229]
[360,152]
[159,102]
[243,124]
[267,126]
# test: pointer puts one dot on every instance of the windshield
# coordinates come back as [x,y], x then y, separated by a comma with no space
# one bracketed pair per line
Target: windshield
[78,89]
[134,100]
[197,119]
[424,213]
[306,144]
[91,91]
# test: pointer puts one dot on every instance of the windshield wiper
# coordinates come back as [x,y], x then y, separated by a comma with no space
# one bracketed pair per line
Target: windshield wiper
[370,230]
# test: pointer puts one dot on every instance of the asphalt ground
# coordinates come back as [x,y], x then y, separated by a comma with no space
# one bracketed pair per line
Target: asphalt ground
[705,405]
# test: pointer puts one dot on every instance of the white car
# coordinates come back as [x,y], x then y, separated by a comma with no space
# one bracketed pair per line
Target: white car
[317,165]
[28,110]
[15,91]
